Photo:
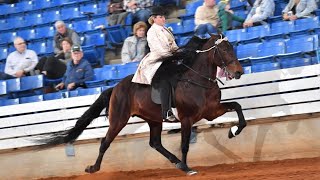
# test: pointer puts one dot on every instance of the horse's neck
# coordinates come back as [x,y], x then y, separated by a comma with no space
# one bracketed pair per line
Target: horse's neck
[204,67]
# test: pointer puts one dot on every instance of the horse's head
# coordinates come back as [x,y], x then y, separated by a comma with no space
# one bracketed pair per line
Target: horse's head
[223,55]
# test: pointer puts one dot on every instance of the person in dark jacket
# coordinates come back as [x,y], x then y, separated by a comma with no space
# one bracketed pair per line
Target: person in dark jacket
[78,71]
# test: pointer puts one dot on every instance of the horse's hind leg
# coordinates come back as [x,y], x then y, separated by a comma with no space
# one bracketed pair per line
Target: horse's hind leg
[234,106]
[115,127]
[155,142]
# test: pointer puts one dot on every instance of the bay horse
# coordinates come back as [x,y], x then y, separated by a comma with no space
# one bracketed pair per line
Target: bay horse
[197,96]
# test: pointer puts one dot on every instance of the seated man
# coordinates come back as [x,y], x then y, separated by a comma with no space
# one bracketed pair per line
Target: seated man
[78,71]
[298,9]
[63,32]
[20,62]
[206,19]
[261,10]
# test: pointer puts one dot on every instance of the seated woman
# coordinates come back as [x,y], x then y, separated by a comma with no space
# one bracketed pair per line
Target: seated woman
[135,47]
[161,43]
[261,10]
[54,67]
[296,9]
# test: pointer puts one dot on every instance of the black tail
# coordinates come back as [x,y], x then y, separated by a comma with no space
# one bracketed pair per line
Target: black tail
[69,136]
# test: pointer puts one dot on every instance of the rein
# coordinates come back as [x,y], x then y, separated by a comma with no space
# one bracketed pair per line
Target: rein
[203,76]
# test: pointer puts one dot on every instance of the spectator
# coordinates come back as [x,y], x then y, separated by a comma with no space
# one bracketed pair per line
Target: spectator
[135,47]
[162,43]
[78,71]
[206,19]
[54,67]
[261,10]
[226,15]
[296,9]
[140,9]
[20,62]
[117,14]
[62,32]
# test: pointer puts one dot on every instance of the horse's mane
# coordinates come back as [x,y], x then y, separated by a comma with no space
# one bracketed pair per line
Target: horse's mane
[187,54]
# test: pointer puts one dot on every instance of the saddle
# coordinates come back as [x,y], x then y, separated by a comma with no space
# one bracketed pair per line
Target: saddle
[155,95]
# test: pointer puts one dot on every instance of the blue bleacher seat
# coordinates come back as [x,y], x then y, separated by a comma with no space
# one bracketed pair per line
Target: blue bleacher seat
[102,7]
[49,46]
[103,88]
[56,95]
[257,32]
[176,27]
[33,19]
[116,34]
[3,88]
[45,31]
[7,37]
[188,25]
[3,53]
[271,48]
[7,102]
[110,74]
[42,4]
[38,46]
[27,34]
[265,67]
[68,13]
[31,99]
[73,93]
[89,91]
[98,21]
[51,15]
[295,62]
[16,21]
[31,85]
[236,35]
[183,40]
[91,54]
[246,69]
[24,6]
[302,44]
[13,85]
[306,23]
[82,26]
[126,69]
[282,27]
[2,66]
[247,50]
[89,8]
[95,39]
[192,7]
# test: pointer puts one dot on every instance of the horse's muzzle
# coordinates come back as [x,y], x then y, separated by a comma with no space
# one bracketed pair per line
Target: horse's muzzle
[237,74]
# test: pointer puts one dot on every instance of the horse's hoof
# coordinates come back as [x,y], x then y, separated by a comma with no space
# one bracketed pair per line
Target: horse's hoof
[232,132]
[91,169]
[192,172]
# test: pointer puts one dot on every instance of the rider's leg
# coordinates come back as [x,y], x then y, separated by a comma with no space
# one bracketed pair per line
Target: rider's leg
[165,101]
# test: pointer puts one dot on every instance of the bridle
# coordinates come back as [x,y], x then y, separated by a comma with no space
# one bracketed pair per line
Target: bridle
[224,65]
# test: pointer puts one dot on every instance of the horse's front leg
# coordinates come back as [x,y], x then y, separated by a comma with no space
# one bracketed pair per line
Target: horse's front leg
[186,125]
[234,106]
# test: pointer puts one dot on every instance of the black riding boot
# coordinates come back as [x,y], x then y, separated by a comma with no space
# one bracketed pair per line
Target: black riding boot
[165,95]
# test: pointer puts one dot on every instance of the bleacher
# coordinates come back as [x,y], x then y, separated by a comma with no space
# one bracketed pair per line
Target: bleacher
[275,45]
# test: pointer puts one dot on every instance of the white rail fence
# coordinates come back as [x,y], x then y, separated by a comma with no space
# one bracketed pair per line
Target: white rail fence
[262,95]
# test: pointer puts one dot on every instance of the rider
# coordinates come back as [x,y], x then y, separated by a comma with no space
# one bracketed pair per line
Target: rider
[161,43]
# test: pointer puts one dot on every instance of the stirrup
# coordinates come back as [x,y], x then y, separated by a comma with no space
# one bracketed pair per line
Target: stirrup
[170,117]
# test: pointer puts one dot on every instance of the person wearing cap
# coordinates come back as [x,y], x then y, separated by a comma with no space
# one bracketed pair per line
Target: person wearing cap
[206,19]
[63,32]
[161,43]
[296,9]
[20,62]
[78,71]
[135,47]
[226,15]
[261,10]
